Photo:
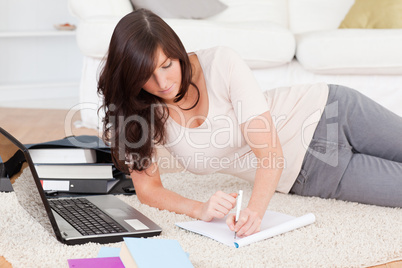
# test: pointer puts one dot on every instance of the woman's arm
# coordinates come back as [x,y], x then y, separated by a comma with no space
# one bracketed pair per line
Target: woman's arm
[260,133]
[150,191]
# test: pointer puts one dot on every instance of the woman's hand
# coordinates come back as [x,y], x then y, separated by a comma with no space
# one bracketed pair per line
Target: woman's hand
[218,206]
[249,222]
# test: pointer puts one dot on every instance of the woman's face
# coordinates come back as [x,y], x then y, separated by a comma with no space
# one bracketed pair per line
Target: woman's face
[166,79]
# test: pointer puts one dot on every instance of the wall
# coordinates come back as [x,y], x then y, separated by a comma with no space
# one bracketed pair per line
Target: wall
[39,66]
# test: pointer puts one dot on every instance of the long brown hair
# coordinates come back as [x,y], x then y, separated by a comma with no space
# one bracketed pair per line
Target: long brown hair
[135,119]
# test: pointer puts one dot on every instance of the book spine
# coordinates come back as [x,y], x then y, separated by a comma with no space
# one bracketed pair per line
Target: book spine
[76,186]
[74,171]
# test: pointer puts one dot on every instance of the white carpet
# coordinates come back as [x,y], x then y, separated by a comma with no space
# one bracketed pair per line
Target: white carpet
[344,234]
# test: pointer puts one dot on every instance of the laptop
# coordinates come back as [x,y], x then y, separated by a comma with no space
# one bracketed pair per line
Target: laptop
[74,220]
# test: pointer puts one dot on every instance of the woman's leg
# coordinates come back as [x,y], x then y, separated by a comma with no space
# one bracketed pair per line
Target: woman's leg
[366,126]
[353,134]
[371,180]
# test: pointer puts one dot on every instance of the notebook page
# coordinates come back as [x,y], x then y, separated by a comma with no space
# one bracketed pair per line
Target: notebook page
[273,223]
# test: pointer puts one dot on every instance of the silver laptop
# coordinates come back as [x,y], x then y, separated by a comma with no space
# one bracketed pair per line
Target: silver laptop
[74,220]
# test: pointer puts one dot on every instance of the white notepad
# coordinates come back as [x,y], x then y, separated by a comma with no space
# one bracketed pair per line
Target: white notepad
[273,223]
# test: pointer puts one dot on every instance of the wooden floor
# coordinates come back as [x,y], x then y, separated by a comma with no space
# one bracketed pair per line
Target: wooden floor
[40,125]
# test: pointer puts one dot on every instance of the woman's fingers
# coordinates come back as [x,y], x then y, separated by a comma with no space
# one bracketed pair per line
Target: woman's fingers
[223,202]
[222,209]
[248,223]
[223,205]
[227,198]
[218,206]
[250,228]
[242,224]
[230,221]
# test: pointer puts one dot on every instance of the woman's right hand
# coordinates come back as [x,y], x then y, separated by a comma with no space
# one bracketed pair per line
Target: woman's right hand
[218,206]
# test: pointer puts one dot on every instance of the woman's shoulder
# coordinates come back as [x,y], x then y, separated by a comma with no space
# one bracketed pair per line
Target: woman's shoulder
[219,61]
[218,53]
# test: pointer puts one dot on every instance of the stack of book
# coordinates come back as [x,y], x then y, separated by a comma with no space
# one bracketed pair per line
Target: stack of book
[73,170]
[138,253]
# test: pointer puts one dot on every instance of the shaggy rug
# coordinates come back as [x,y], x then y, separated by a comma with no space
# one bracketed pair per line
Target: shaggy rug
[345,234]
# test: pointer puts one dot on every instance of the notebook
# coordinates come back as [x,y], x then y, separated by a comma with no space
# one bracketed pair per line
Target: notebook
[74,220]
[272,224]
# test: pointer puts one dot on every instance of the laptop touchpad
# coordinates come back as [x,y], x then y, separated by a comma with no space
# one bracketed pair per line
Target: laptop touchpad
[116,212]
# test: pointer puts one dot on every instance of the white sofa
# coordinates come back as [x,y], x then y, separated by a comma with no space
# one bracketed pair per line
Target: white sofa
[285,42]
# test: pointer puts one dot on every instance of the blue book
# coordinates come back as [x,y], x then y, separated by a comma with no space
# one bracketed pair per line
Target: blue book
[108,252]
[147,252]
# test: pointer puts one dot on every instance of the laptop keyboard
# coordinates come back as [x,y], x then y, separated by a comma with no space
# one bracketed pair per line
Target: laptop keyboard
[84,216]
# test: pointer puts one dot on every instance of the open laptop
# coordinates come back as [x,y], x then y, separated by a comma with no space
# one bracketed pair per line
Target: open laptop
[75,220]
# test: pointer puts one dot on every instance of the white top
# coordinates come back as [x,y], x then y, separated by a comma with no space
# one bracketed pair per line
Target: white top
[235,97]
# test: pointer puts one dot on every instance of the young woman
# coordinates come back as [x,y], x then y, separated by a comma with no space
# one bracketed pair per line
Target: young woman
[207,109]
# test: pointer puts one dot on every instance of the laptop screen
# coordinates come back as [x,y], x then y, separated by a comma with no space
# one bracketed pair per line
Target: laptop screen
[15,160]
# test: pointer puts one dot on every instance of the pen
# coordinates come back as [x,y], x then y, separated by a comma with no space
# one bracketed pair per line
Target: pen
[238,207]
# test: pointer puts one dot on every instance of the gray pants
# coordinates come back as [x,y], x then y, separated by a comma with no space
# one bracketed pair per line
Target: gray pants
[355,154]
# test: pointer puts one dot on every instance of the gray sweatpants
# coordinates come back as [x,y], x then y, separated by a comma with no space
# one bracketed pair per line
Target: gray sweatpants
[355,153]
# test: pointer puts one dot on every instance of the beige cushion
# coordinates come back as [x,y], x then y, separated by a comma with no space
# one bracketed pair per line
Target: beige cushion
[374,14]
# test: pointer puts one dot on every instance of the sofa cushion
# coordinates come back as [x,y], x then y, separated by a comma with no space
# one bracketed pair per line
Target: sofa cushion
[263,44]
[93,8]
[181,9]
[254,10]
[351,51]
[94,34]
[315,15]
[374,14]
